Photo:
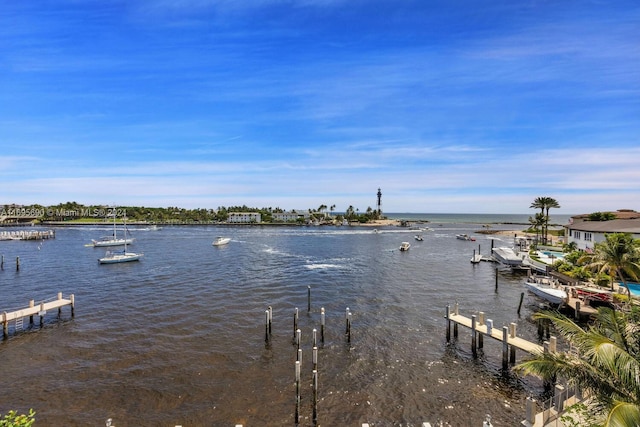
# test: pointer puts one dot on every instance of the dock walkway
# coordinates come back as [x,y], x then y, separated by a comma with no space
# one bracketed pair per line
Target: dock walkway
[40,309]
[506,335]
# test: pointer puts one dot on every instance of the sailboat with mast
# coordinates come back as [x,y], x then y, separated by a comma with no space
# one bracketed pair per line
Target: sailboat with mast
[115,257]
[113,240]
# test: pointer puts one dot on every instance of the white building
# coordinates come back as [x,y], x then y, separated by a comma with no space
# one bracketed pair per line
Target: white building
[244,218]
[290,216]
[586,233]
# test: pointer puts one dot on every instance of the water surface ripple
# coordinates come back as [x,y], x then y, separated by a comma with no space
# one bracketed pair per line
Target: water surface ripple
[178,338]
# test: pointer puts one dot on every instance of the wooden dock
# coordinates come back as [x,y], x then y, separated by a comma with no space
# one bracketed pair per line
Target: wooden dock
[507,335]
[27,235]
[39,309]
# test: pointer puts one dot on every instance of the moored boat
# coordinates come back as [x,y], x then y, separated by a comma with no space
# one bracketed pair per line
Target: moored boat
[221,241]
[404,246]
[544,288]
[119,256]
[465,237]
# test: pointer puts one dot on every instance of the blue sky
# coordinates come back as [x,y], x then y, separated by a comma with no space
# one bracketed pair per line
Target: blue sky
[447,106]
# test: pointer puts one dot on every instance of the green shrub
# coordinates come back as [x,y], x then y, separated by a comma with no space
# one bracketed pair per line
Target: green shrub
[13,419]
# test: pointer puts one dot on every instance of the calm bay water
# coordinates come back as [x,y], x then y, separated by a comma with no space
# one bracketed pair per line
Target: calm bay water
[178,338]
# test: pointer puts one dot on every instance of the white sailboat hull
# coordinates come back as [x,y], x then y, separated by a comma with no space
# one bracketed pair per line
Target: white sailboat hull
[118,257]
[112,242]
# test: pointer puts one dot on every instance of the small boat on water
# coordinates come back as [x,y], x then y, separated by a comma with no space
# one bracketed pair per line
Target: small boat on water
[418,237]
[404,246]
[120,256]
[465,237]
[544,288]
[113,240]
[221,241]
[507,256]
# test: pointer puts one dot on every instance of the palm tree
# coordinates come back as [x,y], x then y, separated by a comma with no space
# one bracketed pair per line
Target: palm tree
[606,366]
[537,223]
[618,256]
[544,204]
[550,203]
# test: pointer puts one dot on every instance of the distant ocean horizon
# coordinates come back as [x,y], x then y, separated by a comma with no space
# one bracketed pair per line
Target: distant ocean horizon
[471,218]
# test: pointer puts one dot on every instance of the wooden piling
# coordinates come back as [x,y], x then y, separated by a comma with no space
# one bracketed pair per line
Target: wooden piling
[2,263]
[448,320]
[270,318]
[17,263]
[480,335]
[512,348]
[455,325]
[505,347]
[297,414]
[5,325]
[474,349]
[266,326]
[41,313]
[295,322]
[322,325]
[72,298]
[520,305]
[308,298]
[298,338]
[349,327]
[314,358]
[31,305]
[315,397]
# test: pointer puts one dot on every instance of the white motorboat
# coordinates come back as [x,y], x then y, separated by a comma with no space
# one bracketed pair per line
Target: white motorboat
[111,257]
[465,237]
[221,241]
[507,256]
[404,246]
[544,289]
[418,237]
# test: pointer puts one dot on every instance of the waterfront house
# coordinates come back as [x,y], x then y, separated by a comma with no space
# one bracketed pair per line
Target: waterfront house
[586,232]
[291,216]
[244,218]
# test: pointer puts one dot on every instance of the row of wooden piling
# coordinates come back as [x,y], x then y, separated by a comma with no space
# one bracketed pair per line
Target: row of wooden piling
[510,341]
[2,263]
[297,340]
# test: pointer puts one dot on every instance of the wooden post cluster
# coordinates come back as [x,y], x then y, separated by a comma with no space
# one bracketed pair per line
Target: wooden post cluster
[480,326]
[314,377]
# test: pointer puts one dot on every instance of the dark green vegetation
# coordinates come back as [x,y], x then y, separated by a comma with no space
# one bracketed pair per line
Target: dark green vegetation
[605,365]
[606,360]
[617,258]
[72,211]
